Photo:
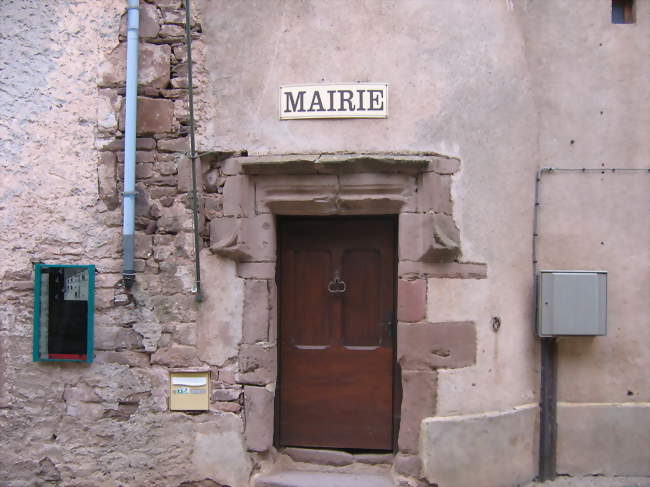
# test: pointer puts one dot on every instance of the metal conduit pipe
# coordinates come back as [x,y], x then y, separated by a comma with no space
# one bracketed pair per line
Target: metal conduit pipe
[193,154]
[130,120]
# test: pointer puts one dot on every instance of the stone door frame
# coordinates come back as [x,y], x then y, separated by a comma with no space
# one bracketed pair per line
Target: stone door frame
[417,188]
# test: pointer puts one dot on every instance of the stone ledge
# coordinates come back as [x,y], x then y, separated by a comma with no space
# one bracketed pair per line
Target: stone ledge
[450,270]
[490,449]
[333,164]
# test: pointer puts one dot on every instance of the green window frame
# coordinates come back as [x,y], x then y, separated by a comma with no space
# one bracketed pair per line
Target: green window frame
[64,309]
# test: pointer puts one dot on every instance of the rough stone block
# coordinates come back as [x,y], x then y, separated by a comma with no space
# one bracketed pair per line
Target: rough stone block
[180,144]
[490,450]
[429,346]
[153,70]
[181,112]
[132,359]
[219,454]
[213,182]
[603,439]
[107,174]
[149,22]
[226,394]
[81,393]
[143,246]
[154,116]
[409,465]
[116,338]
[184,165]
[238,197]
[213,206]
[108,106]
[258,403]
[419,389]
[176,356]
[257,364]
[231,166]
[434,193]
[172,31]
[185,334]
[374,458]
[166,168]
[411,300]
[176,308]
[428,237]
[296,195]
[335,458]
[256,311]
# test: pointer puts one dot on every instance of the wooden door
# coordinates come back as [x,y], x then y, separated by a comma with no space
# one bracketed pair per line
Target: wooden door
[336,353]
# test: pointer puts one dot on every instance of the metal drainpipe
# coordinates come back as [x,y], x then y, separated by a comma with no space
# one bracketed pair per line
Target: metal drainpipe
[130,120]
[548,364]
[193,154]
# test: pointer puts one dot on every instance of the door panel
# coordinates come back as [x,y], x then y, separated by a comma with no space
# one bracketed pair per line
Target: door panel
[337,286]
[361,308]
[311,296]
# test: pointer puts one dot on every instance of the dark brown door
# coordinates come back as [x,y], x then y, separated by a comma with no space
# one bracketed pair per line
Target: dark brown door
[337,289]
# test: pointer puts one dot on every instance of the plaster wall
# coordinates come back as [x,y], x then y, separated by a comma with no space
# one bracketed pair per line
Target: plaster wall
[459,85]
[593,97]
[506,87]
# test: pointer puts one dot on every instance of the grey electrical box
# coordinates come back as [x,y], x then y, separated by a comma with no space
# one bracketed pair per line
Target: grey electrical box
[572,303]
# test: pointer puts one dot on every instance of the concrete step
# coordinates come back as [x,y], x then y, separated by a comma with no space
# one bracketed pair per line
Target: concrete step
[300,478]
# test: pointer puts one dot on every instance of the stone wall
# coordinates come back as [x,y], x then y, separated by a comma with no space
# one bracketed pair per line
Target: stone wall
[62,138]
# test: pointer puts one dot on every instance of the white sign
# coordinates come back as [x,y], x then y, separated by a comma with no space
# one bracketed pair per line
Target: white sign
[353,100]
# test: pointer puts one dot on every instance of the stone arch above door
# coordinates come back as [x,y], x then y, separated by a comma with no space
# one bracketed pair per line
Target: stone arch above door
[418,188]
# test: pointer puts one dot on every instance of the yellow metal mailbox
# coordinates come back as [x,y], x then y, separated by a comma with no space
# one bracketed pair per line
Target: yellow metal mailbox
[189,391]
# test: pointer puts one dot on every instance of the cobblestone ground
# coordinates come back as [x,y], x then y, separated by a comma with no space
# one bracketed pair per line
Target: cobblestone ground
[594,482]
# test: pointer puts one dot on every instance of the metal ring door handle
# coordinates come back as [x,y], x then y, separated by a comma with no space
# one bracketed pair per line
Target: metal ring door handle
[337,286]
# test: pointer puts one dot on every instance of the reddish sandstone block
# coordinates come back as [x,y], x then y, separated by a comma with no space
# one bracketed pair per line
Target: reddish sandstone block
[434,193]
[411,300]
[258,403]
[418,402]
[256,311]
[238,197]
[154,115]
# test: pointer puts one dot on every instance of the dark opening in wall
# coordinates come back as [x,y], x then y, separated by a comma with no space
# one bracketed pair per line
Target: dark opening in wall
[623,12]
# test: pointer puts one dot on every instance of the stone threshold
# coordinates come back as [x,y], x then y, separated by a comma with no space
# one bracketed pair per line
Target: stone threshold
[336,458]
[295,478]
